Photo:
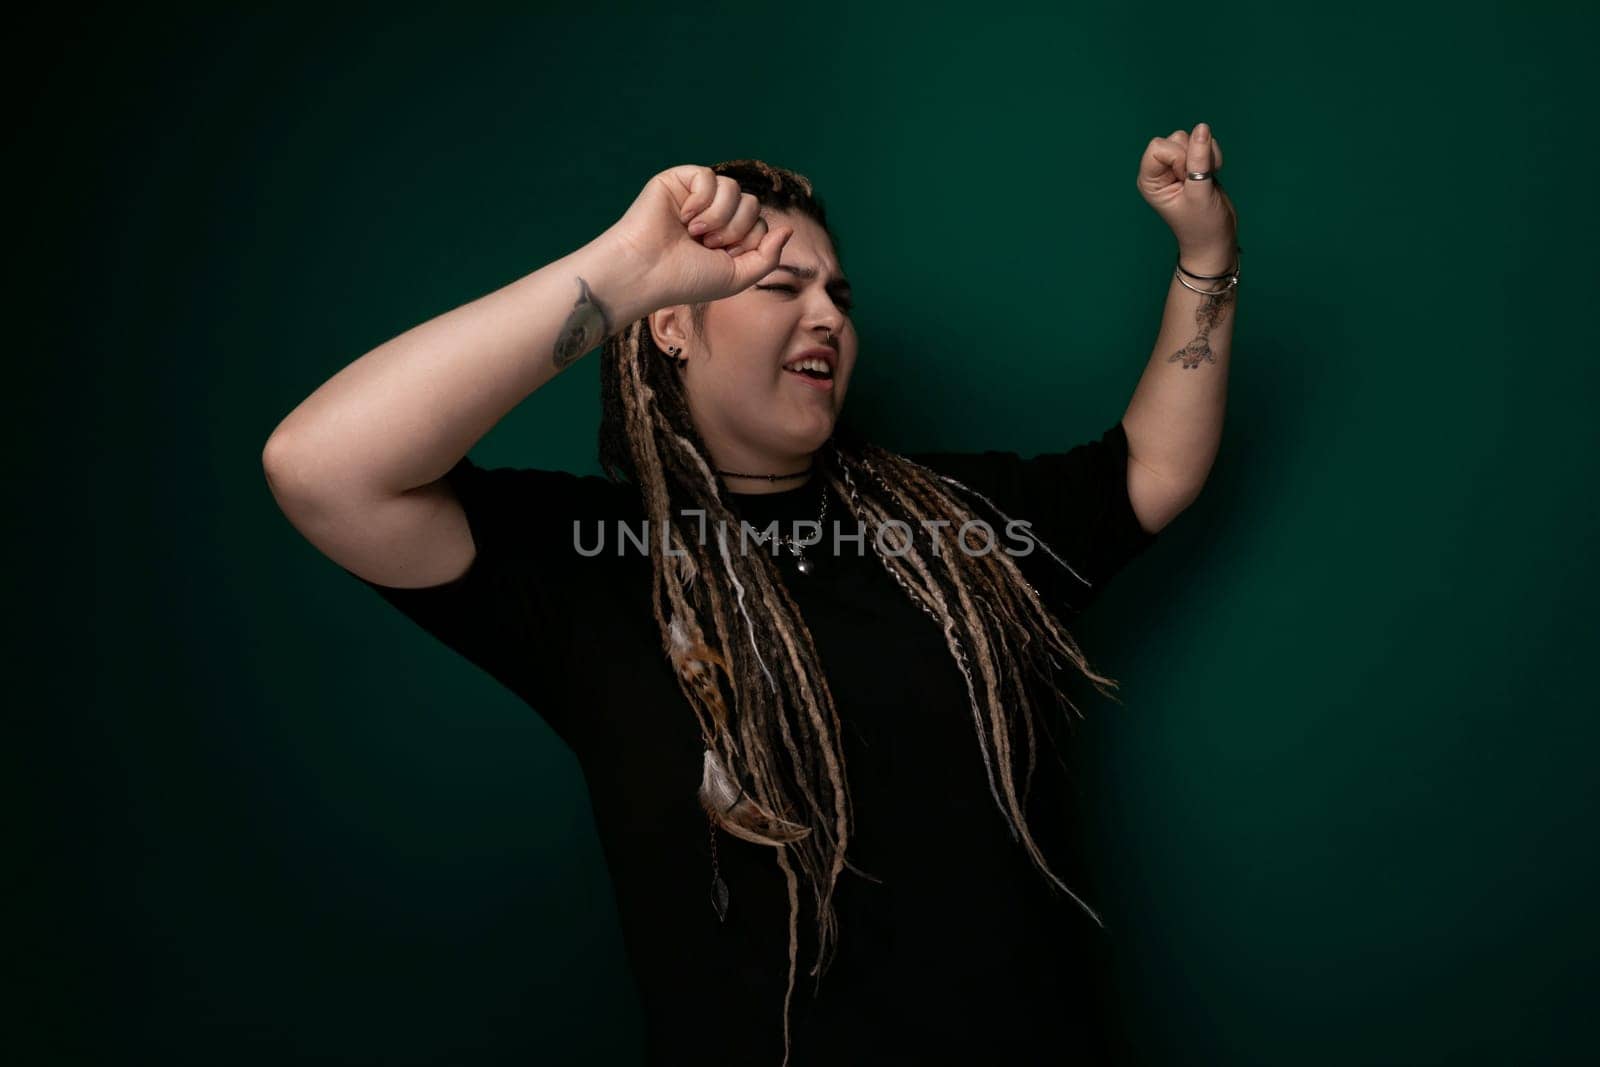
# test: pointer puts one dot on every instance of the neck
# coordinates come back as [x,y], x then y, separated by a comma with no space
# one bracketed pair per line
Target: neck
[739,484]
[747,470]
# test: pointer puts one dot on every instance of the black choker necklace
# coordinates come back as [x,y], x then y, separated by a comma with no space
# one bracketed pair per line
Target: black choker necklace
[768,477]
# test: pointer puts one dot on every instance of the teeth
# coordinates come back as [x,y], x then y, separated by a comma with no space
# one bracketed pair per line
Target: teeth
[810,364]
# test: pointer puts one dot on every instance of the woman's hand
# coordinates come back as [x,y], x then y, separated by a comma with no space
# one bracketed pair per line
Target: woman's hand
[1199,212]
[695,236]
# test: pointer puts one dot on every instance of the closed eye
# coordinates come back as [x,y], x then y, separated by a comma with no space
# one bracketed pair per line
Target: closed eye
[846,303]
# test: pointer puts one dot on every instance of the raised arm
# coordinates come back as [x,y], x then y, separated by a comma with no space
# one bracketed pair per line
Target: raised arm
[358,467]
[401,415]
[1174,420]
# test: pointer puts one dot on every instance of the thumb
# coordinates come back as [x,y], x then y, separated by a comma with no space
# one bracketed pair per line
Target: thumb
[753,264]
[1199,161]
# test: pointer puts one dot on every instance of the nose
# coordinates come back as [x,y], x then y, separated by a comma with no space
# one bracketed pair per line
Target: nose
[826,320]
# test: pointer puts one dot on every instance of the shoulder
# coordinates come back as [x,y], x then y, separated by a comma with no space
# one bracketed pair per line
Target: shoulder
[1075,502]
[1084,475]
[509,507]
[535,489]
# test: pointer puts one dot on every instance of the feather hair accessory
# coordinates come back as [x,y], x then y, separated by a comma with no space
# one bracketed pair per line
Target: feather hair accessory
[739,813]
[695,663]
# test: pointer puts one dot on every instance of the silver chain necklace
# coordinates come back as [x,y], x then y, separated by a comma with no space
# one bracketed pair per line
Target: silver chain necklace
[802,564]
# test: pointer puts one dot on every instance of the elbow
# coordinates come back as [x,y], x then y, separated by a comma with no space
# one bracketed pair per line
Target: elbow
[287,471]
[277,460]
[1157,499]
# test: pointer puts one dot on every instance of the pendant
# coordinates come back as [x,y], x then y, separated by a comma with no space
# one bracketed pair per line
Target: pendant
[719,897]
[804,565]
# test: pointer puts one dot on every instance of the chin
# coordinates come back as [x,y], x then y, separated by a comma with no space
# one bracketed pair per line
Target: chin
[811,438]
[799,440]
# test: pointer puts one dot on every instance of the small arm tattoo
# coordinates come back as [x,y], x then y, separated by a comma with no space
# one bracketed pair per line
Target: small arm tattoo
[1198,350]
[587,325]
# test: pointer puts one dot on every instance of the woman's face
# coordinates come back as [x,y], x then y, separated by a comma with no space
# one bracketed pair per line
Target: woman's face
[755,415]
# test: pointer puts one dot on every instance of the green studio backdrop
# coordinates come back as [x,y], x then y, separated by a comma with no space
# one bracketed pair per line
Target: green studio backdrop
[1346,813]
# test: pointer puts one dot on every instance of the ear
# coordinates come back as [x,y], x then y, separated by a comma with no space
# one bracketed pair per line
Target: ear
[669,327]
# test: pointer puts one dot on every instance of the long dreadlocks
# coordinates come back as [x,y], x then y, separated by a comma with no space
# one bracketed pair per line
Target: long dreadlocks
[774,771]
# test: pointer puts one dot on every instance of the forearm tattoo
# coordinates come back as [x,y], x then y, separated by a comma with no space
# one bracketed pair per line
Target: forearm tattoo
[587,325]
[1198,350]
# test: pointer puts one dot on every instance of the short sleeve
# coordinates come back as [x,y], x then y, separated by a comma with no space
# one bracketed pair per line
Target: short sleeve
[1076,502]
[502,614]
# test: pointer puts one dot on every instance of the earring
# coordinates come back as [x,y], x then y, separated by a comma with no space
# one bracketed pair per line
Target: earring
[672,354]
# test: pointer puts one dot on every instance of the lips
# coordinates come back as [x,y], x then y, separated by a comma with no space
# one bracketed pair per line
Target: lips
[828,355]
[823,384]
[814,367]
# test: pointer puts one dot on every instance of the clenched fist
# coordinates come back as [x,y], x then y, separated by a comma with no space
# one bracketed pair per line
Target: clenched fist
[697,237]
[1199,212]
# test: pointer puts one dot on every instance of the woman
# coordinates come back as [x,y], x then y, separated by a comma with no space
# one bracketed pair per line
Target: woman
[806,678]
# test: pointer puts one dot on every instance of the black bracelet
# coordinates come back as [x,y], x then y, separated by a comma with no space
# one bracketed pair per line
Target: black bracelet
[1214,277]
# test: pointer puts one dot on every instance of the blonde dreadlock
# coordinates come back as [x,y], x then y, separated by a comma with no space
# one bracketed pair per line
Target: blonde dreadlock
[774,771]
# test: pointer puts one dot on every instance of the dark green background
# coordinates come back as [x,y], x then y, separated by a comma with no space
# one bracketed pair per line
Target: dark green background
[1347,813]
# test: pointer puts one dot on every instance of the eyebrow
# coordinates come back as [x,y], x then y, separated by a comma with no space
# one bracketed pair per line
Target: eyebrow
[811,272]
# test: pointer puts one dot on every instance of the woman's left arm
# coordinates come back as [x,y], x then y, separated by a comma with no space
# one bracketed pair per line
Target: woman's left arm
[1174,421]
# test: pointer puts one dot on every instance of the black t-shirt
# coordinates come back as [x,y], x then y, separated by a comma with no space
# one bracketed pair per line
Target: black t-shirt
[962,951]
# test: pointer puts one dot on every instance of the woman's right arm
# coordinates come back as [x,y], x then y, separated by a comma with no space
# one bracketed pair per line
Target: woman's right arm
[358,467]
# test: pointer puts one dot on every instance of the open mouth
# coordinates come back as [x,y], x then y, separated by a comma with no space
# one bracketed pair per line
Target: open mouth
[821,383]
[816,372]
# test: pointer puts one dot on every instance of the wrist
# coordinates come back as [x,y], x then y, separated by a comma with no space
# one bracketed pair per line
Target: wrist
[1209,259]
[616,276]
